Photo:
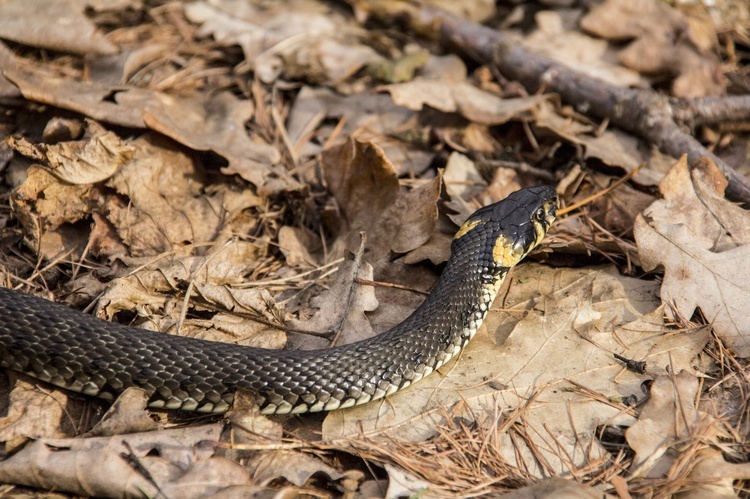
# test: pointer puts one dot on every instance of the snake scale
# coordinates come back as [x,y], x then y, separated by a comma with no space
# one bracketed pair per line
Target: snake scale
[85,354]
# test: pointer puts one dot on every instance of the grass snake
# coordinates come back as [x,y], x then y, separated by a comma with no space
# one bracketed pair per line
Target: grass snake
[85,354]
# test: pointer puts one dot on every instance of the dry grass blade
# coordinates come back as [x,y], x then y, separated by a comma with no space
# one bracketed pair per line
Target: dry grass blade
[601,193]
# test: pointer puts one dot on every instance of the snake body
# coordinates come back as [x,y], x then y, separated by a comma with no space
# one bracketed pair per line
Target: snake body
[88,355]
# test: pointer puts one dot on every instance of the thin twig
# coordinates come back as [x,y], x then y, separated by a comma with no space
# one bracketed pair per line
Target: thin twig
[601,193]
[352,288]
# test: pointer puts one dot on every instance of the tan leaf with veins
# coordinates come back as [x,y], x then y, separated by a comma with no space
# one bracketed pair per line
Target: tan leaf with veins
[547,350]
[365,185]
[34,413]
[176,462]
[668,419]
[341,308]
[701,240]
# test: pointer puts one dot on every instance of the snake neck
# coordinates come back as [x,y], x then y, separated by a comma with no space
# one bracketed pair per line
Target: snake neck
[459,302]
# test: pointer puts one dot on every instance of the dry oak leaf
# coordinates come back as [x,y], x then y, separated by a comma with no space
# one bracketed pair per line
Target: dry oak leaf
[559,331]
[152,292]
[701,240]
[295,467]
[668,419]
[341,307]
[217,123]
[162,203]
[34,413]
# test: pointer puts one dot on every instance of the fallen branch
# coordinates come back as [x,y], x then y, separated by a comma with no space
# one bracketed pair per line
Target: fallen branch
[645,113]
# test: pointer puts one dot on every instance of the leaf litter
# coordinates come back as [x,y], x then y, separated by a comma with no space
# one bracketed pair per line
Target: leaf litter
[208,169]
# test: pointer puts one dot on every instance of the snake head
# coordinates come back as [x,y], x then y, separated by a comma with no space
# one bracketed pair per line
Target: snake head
[510,228]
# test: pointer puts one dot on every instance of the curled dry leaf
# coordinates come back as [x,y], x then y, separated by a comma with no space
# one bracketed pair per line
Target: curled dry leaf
[128,414]
[207,123]
[556,367]
[161,204]
[157,293]
[80,162]
[365,186]
[703,242]
[175,463]
[668,419]
[44,204]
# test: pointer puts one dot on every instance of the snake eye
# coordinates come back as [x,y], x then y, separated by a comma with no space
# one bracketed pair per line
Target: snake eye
[540,215]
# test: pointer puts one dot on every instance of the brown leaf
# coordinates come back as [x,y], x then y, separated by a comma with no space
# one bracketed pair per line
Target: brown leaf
[340,308]
[8,60]
[668,418]
[298,244]
[34,413]
[702,241]
[716,475]
[175,462]
[660,46]
[361,180]
[152,292]
[217,123]
[460,97]
[117,105]
[372,117]
[464,184]
[161,204]
[81,162]
[47,209]
[28,22]
[365,186]
[128,414]
[295,467]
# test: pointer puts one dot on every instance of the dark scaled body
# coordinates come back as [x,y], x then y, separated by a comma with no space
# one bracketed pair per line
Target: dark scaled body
[88,355]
